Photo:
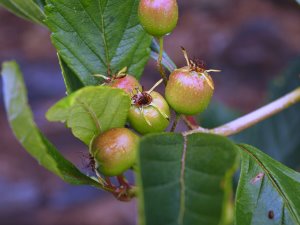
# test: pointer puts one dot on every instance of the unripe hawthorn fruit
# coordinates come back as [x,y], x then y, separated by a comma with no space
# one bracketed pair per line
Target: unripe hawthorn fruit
[190,89]
[115,151]
[149,112]
[187,92]
[128,83]
[121,80]
[158,17]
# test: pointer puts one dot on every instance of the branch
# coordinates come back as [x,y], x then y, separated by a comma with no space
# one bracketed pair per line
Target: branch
[252,118]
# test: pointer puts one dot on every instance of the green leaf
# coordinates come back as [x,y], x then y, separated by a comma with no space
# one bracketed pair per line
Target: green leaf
[185,180]
[21,121]
[92,110]
[95,36]
[268,192]
[41,3]
[279,135]
[72,82]
[28,9]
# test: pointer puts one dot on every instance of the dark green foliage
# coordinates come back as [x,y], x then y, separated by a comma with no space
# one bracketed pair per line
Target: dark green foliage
[93,37]
[185,180]
[268,192]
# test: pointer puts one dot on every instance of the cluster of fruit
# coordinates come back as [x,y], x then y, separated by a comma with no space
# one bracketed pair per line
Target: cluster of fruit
[188,92]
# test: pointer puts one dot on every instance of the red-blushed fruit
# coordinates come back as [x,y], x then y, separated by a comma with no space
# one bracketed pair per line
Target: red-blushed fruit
[188,92]
[158,17]
[128,83]
[149,113]
[189,89]
[115,151]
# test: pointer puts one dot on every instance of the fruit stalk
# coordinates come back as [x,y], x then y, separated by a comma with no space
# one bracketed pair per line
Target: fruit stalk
[159,61]
[155,85]
[252,118]
[177,118]
[166,61]
[191,122]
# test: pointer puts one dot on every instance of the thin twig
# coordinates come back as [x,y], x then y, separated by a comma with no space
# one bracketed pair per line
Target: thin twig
[254,117]
[177,118]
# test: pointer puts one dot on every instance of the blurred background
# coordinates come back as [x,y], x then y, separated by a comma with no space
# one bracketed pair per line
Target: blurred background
[255,43]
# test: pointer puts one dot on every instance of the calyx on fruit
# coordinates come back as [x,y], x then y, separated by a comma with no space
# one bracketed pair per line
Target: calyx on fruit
[115,151]
[158,17]
[190,88]
[122,80]
[149,112]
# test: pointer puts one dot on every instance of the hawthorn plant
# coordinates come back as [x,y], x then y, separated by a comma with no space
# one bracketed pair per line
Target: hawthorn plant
[181,178]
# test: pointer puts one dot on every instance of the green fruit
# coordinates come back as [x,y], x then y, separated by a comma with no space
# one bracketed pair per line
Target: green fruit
[115,151]
[158,17]
[188,92]
[149,113]
[128,83]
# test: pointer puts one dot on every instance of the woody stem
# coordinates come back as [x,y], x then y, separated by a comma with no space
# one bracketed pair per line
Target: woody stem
[254,117]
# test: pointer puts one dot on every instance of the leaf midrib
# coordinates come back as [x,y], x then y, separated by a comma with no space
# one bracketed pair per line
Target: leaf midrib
[104,35]
[79,33]
[274,183]
[91,113]
[25,13]
[182,182]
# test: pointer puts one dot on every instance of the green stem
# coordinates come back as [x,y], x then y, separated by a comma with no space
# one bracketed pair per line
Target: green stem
[166,61]
[161,48]
[254,117]
[159,60]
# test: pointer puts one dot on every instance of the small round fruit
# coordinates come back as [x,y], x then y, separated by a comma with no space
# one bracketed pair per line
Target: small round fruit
[128,83]
[158,17]
[149,113]
[188,91]
[115,151]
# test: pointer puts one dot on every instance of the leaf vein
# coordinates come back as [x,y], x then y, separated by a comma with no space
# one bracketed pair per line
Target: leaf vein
[125,28]
[104,37]
[91,113]
[78,35]
[182,182]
